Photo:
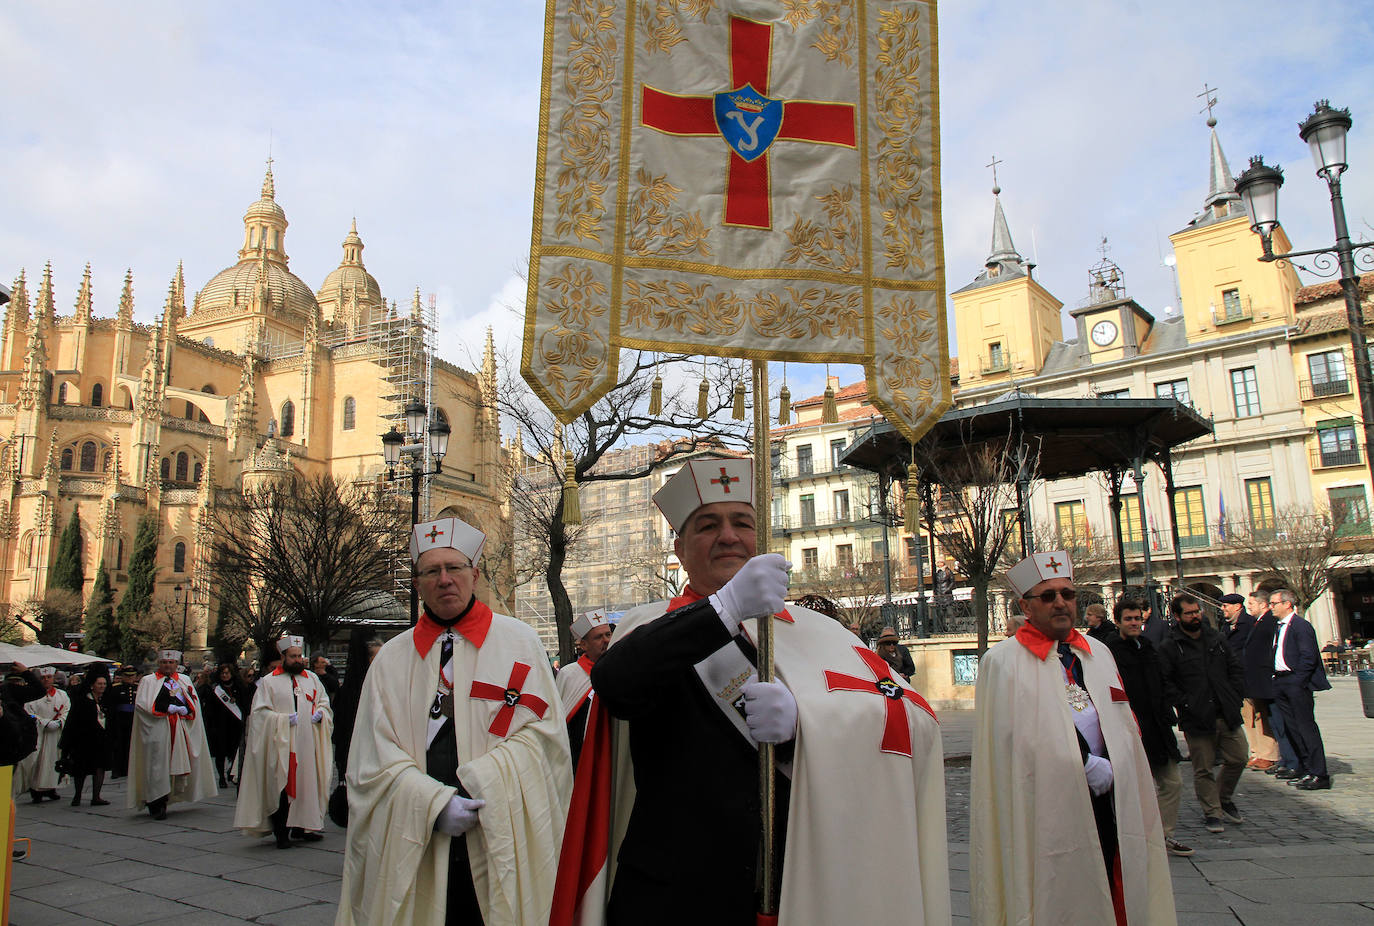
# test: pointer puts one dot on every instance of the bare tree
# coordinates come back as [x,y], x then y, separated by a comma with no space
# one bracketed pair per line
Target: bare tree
[859,591]
[303,552]
[619,418]
[52,617]
[1299,548]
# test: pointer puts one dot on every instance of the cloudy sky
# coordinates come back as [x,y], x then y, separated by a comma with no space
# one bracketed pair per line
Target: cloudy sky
[136,135]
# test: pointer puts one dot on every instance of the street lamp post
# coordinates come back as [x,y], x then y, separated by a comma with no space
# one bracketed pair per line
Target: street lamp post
[185,601]
[1324,131]
[395,445]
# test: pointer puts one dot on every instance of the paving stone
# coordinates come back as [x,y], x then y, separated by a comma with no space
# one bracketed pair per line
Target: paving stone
[248,901]
[1353,890]
[123,870]
[1237,870]
[134,910]
[175,885]
[69,892]
[1326,914]
[313,915]
[282,878]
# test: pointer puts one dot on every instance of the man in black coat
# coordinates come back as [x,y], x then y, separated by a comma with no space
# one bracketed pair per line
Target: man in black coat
[1204,681]
[1138,664]
[1100,626]
[21,686]
[1298,672]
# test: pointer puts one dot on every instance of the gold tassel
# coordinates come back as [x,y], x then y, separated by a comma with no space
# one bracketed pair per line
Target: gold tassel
[785,405]
[703,398]
[738,411]
[656,396]
[830,413]
[572,508]
[913,502]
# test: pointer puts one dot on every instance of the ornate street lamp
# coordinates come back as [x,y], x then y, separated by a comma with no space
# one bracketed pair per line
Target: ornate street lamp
[395,445]
[185,602]
[1324,131]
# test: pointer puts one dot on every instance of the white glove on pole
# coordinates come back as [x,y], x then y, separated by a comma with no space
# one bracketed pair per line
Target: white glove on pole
[317,716]
[459,816]
[54,725]
[292,719]
[759,588]
[1099,772]
[770,712]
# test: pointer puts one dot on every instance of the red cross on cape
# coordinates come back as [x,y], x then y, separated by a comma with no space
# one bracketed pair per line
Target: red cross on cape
[896,733]
[748,183]
[513,696]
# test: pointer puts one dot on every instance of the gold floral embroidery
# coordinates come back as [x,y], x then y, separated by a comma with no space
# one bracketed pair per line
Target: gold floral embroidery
[654,231]
[836,39]
[836,246]
[660,23]
[658,307]
[571,355]
[900,111]
[585,126]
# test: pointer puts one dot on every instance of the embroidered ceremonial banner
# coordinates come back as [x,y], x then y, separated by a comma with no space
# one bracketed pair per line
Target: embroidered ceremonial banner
[742,179]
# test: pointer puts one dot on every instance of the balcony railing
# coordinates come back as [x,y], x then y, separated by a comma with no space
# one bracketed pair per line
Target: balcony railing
[1331,457]
[787,471]
[788,523]
[1322,389]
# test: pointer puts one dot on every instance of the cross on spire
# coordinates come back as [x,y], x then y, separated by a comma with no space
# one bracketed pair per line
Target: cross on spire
[1209,93]
[993,164]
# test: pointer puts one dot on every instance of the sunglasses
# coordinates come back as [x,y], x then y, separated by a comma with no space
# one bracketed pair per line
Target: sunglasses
[1068,594]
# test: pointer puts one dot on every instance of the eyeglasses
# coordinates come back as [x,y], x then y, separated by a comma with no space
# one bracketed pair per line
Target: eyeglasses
[1047,597]
[433,572]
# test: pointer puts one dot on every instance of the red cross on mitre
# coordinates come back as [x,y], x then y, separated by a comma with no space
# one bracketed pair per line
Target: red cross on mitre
[1053,564]
[724,480]
[896,733]
[434,533]
[747,183]
[511,695]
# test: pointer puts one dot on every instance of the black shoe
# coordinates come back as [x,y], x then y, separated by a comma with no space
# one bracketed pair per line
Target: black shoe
[97,802]
[1229,813]
[1316,783]
[282,841]
[297,832]
[1213,825]
[158,809]
[52,795]
[1300,781]
[1274,769]
[76,801]
[1287,774]
[35,797]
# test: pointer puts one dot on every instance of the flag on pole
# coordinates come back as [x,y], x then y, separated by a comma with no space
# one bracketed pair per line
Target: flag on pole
[1221,517]
[753,180]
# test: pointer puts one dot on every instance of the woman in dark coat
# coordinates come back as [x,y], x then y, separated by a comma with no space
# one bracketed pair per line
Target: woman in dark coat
[225,703]
[362,648]
[87,741]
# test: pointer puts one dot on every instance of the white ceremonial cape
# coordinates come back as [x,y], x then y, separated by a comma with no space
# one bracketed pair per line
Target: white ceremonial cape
[168,756]
[36,771]
[279,754]
[1033,835]
[897,824]
[574,685]
[396,865]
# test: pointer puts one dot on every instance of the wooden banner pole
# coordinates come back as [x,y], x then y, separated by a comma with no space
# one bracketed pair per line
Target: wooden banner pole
[763,510]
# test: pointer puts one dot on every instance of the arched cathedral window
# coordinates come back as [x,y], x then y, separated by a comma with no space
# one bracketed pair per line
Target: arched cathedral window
[350,413]
[288,418]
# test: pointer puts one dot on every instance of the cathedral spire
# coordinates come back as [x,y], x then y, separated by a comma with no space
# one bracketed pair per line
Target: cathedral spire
[269,186]
[44,313]
[125,315]
[1002,247]
[83,298]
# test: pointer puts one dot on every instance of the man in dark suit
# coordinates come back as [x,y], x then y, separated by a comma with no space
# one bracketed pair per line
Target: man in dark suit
[1298,673]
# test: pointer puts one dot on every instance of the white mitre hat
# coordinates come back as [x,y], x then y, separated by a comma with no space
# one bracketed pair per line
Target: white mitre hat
[288,641]
[172,654]
[46,671]
[701,482]
[584,624]
[1040,567]
[447,534]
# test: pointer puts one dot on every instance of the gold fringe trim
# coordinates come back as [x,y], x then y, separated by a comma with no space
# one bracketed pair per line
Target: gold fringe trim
[572,508]
[703,399]
[913,502]
[656,396]
[738,411]
[830,413]
[785,405]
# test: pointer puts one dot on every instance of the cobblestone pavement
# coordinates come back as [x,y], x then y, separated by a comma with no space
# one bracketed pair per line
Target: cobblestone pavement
[1299,857]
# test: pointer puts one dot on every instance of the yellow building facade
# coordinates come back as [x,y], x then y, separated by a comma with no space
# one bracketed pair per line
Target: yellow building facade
[256,376]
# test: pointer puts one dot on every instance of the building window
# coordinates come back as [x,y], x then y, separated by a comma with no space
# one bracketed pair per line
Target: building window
[183,466]
[62,394]
[198,470]
[97,395]
[842,505]
[844,557]
[179,557]
[836,452]
[288,418]
[1174,389]
[1011,527]
[1245,392]
[67,457]
[165,471]
[996,359]
[810,559]
[119,555]
[350,413]
[88,457]
[190,411]
[1071,520]
[1259,503]
[1230,303]
[1350,510]
[808,510]
[1327,370]
[1115,394]
[1132,536]
[1336,439]
[1192,518]
[804,464]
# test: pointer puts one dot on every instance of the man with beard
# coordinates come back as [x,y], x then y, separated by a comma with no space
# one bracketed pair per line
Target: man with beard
[1065,824]
[593,633]
[169,760]
[1204,679]
[285,779]
[37,772]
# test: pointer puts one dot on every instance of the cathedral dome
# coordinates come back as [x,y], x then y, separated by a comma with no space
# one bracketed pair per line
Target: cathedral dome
[349,294]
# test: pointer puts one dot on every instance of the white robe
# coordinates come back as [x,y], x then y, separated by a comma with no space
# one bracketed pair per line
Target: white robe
[168,756]
[396,865]
[574,687]
[1035,857]
[36,771]
[875,855]
[273,742]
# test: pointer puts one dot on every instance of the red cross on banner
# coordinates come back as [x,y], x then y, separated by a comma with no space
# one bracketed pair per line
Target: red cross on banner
[748,182]
[725,480]
[896,734]
[513,695]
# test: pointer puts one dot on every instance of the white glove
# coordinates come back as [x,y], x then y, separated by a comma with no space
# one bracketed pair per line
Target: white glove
[178,710]
[317,716]
[1099,772]
[759,588]
[459,816]
[54,725]
[770,711]
[292,719]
